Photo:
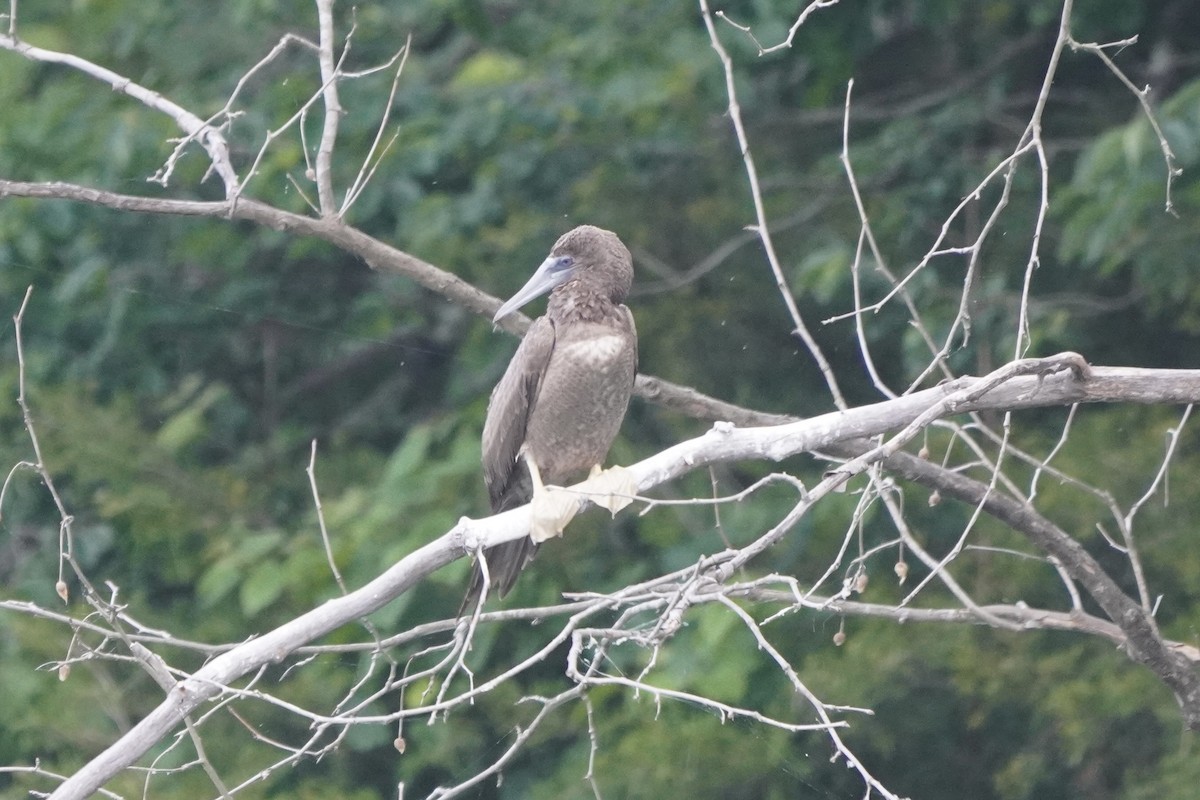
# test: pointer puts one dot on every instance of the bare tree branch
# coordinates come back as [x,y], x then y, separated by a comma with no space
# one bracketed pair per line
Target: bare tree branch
[1143,640]
[209,137]
[868,441]
[1173,168]
[723,443]
[382,257]
[333,108]
[760,226]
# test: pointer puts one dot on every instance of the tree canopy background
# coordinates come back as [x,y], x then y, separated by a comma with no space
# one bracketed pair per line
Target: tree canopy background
[180,368]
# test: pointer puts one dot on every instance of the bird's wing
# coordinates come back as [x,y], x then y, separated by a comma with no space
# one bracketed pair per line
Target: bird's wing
[507,480]
[628,318]
[508,414]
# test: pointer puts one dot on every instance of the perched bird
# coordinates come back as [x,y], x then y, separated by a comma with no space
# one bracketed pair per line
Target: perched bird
[554,414]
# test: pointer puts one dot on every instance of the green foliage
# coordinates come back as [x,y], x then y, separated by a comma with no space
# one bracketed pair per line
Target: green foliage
[180,369]
[1113,210]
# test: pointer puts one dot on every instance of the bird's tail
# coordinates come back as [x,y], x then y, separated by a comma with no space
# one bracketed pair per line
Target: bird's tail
[505,563]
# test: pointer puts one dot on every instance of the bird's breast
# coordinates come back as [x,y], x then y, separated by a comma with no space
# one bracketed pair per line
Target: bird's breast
[582,399]
[595,352]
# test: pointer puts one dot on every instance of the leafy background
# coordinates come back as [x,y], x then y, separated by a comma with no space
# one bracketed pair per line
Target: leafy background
[180,368]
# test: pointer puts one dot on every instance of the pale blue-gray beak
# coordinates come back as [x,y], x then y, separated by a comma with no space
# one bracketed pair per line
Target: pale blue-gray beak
[554,271]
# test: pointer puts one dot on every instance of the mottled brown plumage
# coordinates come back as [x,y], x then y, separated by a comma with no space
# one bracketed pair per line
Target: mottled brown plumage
[564,394]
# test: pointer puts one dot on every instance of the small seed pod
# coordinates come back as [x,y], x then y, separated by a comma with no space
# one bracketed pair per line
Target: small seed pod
[901,569]
[860,582]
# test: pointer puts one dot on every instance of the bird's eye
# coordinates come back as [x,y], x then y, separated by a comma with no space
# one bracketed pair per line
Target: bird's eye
[563,263]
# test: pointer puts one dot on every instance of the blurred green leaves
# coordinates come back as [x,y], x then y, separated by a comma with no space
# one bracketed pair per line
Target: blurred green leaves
[180,369]
[1113,211]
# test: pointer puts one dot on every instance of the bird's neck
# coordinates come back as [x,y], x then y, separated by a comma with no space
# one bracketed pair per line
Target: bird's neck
[581,303]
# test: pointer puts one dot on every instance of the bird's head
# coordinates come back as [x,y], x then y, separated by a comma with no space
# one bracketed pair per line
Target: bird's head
[591,257]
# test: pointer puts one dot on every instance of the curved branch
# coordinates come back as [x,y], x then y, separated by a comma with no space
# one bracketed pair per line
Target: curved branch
[722,443]
[385,258]
[209,137]
[1023,616]
[1142,639]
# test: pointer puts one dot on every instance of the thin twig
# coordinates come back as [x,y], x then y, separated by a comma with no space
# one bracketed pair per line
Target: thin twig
[1142,95]
[333,108]
[209,137]
[761,227]
[370,162]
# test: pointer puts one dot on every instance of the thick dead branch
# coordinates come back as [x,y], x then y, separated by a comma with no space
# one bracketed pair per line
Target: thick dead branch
[1142,639]
[385,258]
[723,443]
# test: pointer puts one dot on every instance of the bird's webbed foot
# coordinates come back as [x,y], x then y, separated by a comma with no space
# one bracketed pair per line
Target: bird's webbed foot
[553,507]
[550,508]
[612,488]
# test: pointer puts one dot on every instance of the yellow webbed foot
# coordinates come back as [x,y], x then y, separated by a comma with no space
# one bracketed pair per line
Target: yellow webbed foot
[550,508]
[612,488]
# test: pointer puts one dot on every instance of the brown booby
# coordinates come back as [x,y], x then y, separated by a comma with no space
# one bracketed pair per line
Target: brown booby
[554,414]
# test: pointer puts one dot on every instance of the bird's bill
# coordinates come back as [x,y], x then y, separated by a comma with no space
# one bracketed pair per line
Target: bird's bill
[553,272]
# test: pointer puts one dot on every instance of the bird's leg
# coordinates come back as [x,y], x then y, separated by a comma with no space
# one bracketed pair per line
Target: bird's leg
[551,508]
